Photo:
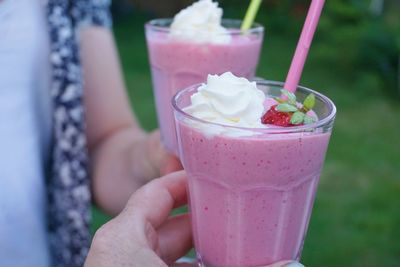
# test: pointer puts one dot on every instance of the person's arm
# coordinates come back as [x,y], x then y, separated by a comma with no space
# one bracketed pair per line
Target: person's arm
[123,156]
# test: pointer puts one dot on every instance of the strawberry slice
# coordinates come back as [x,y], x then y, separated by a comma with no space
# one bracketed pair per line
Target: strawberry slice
[275,117]
[288,112]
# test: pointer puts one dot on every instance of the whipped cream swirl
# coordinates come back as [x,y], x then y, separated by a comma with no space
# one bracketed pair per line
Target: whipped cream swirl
[200,23]
[228,100]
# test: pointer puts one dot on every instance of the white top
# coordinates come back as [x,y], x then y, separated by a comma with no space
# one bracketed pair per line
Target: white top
[24,133]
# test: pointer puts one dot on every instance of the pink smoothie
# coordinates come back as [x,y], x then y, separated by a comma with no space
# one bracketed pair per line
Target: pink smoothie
[178,64]
[250,197]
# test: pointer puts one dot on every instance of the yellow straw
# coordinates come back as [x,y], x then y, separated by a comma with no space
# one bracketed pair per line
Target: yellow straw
[251,14]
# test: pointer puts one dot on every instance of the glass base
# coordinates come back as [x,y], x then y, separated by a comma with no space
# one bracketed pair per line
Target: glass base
[199,261]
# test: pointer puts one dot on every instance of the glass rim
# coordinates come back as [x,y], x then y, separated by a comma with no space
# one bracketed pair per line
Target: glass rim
[270,130]
[255,28]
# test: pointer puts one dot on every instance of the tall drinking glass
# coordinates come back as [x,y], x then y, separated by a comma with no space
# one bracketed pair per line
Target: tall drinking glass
[251,190]
[176,64]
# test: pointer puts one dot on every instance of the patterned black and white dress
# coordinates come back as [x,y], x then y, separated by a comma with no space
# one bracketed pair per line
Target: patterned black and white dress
[68,180]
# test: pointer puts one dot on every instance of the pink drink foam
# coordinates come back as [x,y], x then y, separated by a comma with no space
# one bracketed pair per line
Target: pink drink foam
[251,197]
[177,64]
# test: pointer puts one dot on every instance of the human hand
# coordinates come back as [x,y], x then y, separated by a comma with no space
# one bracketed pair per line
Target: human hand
[163,160]
[143,234]
[153,159]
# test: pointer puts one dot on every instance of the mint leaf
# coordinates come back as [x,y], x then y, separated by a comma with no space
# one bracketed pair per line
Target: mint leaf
[279,100]
[286,108]
[291,97]
[309,102]
[308,119]
[297,118]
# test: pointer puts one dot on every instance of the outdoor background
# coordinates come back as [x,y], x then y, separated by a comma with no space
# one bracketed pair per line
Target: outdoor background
[355,61]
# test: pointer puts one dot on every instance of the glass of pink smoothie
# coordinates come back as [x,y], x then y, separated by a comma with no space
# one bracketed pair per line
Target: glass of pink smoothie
[251,190]
[176,64]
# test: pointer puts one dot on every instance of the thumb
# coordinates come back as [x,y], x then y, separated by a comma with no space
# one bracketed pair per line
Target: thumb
[171,164]
[162,161]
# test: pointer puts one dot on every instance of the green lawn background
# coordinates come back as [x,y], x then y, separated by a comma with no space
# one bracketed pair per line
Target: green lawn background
[356,217]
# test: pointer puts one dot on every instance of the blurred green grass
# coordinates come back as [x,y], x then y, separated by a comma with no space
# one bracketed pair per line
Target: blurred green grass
[356,217]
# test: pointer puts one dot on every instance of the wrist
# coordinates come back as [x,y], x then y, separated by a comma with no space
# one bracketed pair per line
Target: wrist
[145,155]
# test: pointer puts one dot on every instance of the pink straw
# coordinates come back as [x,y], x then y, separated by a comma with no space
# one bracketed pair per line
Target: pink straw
[303,46]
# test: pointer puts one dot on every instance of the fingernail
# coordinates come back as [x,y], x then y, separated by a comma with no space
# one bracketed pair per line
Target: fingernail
[294,264]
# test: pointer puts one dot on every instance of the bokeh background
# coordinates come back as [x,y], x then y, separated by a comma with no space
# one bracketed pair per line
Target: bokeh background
[355,60]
